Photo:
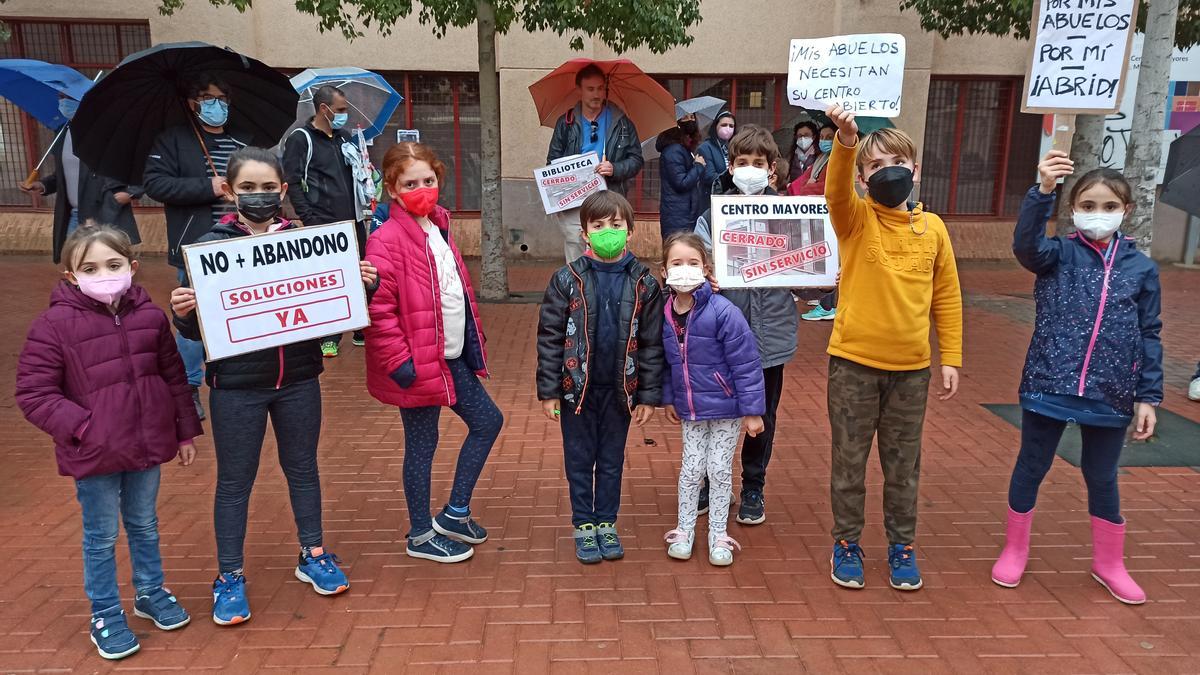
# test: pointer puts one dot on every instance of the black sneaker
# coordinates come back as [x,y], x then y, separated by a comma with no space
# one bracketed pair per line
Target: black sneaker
[196,401]
[358,338]
[752,510]
[702,503]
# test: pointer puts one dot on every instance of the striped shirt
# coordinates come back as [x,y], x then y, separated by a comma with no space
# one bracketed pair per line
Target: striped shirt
[220,147]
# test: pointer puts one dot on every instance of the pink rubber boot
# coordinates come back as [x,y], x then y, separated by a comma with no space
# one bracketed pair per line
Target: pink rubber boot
[1108,562]
[1008,569]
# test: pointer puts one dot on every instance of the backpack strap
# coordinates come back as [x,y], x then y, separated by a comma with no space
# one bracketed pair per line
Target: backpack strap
[307,157]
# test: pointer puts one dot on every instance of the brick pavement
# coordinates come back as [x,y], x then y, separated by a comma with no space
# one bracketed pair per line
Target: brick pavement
[523,603]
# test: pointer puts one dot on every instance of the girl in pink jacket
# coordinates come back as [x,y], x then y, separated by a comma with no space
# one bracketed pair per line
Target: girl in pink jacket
[425,350]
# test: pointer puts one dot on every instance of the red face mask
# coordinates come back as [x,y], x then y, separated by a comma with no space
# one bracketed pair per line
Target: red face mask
[421,201]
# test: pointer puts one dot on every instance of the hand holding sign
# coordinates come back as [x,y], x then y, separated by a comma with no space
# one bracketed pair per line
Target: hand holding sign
[863,74]
[847,127]
[1055,166]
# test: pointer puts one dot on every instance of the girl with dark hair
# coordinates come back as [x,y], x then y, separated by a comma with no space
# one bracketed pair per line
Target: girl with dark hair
[715,151]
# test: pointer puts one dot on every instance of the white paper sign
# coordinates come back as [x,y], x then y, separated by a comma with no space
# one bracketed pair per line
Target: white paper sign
[1080,51]
[268,290]
[773,241]
[862,73]
[568,181]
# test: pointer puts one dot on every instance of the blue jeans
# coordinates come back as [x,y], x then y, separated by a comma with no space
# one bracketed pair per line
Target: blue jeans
[594,454]
[104,500]
[1101,452]
[192,351]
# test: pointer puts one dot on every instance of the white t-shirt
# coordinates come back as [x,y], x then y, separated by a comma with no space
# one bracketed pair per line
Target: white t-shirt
[454,302]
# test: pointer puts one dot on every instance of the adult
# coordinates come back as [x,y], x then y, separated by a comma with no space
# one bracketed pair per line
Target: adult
[681,172]
[715,152]
[811,183]
[804,148]
[595,125]
[81,194]
[185,171]
[317,164]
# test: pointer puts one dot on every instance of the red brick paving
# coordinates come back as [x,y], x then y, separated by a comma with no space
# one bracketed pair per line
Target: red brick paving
[524,604]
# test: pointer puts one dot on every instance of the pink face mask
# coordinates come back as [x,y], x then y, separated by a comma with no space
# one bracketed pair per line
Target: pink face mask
[105,289]
[724,133]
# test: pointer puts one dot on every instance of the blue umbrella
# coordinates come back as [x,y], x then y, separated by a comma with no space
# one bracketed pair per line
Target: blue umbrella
[372,100]
[35,87]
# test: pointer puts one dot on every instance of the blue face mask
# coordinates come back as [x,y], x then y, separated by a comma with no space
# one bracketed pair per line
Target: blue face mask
[339,120]
[826,146]
[67,107]
[213,112]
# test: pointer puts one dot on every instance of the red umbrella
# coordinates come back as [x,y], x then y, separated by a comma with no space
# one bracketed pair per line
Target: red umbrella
[648,105]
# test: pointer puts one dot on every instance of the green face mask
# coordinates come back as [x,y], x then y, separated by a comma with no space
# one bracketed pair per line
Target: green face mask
[608,244]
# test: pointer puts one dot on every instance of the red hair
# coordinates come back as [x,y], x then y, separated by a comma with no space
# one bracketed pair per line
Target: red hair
[400,155]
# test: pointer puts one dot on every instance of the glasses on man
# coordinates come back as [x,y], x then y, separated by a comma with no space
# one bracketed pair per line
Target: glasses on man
[205,98]
[595,131]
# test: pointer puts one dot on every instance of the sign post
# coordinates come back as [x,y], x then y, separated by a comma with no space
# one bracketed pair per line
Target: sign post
[767,241]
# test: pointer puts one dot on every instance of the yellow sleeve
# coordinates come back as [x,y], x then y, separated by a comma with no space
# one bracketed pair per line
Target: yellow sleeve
[947,303]
[847,210]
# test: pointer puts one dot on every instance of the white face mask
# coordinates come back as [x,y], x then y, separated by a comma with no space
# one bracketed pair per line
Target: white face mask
[685,278]
[1096,226]
[751,180]
[804,143]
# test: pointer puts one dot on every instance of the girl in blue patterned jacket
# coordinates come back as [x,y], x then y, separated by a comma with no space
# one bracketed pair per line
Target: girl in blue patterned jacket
[1095,359]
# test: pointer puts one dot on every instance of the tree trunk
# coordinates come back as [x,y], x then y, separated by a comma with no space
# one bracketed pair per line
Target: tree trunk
[1085,152]
[1145,141]
[494,278]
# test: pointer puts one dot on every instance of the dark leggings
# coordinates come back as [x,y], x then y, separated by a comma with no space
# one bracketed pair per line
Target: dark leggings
[483,421]
[829,300]
[239,424]
[1101,452]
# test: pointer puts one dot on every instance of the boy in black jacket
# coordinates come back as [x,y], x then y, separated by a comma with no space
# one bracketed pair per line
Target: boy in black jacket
[600,364]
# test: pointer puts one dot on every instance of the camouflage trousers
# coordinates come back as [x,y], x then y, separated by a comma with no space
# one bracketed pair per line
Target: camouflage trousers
[863,402]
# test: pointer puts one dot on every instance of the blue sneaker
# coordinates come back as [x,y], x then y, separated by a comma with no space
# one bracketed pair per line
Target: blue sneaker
[438,548]
[587,547]
[610,543]
[111,634]
[322,572]
[230,605]
[847,564]
[162,608]
[903,561]
[819,313]
[463,529]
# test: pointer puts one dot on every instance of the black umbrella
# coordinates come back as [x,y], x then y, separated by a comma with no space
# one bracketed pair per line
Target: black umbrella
[119,118]
[1181,180]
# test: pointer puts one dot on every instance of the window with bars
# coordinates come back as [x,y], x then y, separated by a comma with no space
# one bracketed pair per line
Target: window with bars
[980,150]
[87,46]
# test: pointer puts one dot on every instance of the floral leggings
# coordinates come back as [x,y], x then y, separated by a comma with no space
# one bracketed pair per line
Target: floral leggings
[708,447]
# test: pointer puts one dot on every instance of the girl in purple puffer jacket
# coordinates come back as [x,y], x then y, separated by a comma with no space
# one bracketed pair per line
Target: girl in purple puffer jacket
[100,373]
[715,390]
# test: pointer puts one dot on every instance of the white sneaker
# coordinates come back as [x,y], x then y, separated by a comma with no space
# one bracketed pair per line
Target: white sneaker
[1194,390]
[679,544]
[720,549]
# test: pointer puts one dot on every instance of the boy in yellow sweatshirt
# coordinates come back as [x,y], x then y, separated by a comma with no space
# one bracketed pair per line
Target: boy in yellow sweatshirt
[897,268]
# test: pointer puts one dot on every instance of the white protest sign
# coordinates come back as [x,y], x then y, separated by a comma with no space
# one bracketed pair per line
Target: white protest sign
[862,73]
[1080,52]
[268,290]
[568,181]
[773,241]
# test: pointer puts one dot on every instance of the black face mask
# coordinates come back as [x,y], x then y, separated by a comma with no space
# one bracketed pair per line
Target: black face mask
[890,186]
[259,207]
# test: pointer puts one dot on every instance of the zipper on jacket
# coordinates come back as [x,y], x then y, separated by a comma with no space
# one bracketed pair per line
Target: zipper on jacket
[687,379]
[587,352]
[636,306]
[1109,258]
[279,382]
[132,379]
[435,291]
[724,386]
[462,279]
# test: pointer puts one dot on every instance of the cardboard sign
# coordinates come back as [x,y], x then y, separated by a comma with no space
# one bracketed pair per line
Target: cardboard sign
[568,181]
[274,289]
[773,241]
[862,73]
[1080,53]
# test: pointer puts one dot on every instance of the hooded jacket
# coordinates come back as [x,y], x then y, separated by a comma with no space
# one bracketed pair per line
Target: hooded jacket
[681,174]
[716,159]
[621,146]
[1096,334]
[715,373]
[110,389]
[272,368]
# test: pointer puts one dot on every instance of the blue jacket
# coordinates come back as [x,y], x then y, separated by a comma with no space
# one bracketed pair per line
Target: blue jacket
[1097,329]
[714,152]
[679,200]
[716,373]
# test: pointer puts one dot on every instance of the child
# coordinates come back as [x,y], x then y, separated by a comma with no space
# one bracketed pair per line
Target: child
[279,383]
[600,361]
[101,375]
[716,387]
[425,350]
[897,267]
[1095,359]
[771,313]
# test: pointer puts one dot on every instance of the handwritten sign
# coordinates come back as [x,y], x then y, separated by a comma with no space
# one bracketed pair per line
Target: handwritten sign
[568,181]
[1080,53]
[771,241]
[862,73]
[268,290]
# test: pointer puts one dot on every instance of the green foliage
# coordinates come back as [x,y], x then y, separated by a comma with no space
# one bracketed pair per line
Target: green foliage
[1012,17]
[620,24]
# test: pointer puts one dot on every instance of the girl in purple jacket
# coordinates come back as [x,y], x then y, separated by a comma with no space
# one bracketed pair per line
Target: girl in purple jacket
[100,373]
[715,390]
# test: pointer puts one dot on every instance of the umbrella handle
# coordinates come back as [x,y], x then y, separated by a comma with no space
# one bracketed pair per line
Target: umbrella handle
[30,179]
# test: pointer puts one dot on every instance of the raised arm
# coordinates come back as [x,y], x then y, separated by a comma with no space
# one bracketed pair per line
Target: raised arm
[847,211]
[1034,250]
